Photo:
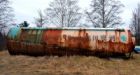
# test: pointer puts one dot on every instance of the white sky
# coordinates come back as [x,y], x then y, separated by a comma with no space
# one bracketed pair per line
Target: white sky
[27,9]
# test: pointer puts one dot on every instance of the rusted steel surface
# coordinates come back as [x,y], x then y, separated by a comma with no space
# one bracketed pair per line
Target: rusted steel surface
[70,41]
[52,37]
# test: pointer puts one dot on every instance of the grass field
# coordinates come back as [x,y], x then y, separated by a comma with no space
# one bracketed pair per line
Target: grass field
[71,65]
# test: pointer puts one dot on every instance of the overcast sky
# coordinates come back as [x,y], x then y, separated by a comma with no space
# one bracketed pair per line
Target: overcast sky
[26,10]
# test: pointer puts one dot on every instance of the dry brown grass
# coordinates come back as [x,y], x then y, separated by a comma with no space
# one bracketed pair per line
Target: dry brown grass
[72,65]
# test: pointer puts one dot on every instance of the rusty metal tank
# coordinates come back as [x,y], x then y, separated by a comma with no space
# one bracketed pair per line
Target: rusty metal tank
[65,41]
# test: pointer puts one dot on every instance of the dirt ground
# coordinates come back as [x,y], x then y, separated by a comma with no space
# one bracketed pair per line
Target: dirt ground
[67,65]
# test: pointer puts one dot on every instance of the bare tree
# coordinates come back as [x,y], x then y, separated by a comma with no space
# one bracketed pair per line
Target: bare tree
[6,15]
[104,13]
[40,21]
[135,24]
[63,13]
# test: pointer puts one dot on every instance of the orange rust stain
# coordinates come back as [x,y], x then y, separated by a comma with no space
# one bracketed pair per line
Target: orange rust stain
[117,46]
[81,41]
[85,41]
[52,37]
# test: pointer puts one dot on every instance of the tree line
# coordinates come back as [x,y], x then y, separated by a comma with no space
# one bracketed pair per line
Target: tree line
[67,13]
